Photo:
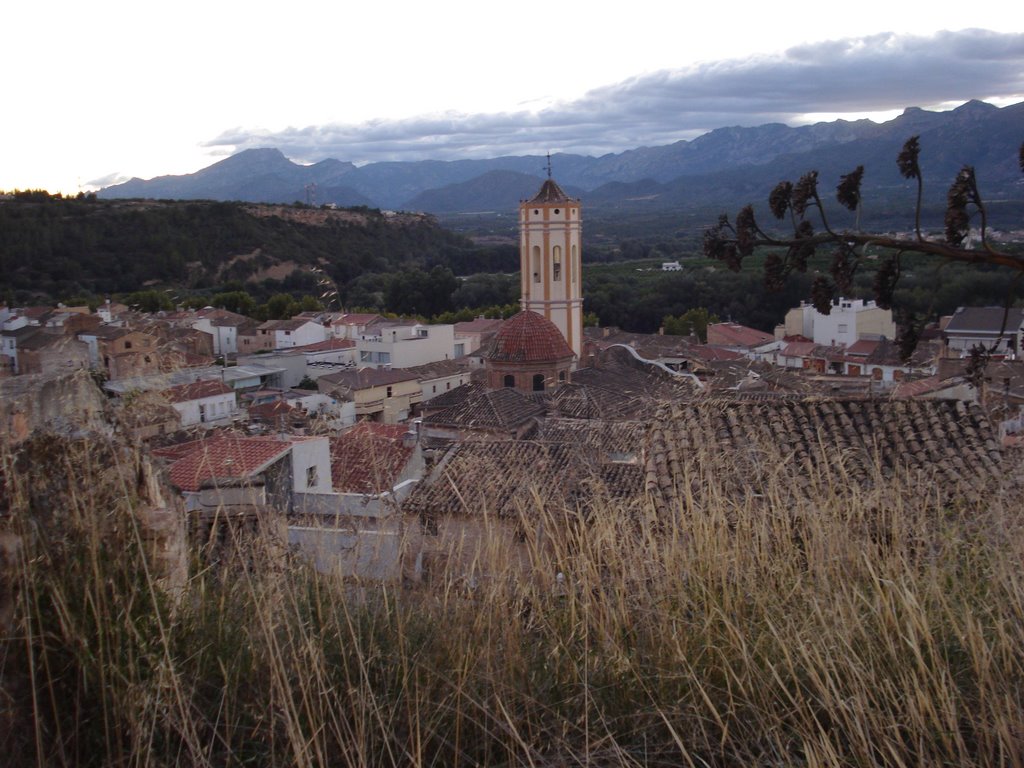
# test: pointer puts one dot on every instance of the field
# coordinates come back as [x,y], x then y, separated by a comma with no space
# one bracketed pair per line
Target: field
[879,627]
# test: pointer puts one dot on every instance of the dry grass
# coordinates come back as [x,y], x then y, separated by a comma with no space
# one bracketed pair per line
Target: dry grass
[875,628]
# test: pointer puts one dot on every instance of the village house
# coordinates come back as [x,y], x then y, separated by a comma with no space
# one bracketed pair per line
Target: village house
[441,376]
[404,344]
[122,352]
[471,335]
[352,325]
[251,339]
[208,403]
[227,472]
[293,333]
[989,327]
[848,321]
[389,396]
[223,327]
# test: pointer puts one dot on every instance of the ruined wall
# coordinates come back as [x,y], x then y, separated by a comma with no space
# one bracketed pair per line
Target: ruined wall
[65,403]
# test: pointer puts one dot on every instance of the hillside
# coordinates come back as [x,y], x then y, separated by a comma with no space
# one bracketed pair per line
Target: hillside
[57,248]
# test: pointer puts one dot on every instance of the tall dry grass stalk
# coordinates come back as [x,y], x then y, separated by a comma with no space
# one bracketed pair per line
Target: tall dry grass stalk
[872,627]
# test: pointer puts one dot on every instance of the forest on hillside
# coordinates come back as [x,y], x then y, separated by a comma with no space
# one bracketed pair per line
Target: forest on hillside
[158,254]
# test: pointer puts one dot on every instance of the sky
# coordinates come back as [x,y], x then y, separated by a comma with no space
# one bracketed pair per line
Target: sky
[98,92]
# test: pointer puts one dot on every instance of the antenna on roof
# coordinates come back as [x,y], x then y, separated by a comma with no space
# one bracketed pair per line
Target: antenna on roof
[548,166]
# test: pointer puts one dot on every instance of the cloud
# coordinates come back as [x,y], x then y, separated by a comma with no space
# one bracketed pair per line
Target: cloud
[106,181]
[849,76]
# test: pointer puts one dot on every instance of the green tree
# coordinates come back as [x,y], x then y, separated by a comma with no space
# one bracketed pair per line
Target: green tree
[694,321]
[149,301]
[281,306]
[235,301]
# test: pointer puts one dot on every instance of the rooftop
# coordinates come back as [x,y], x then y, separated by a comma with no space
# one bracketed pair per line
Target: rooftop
[528,337]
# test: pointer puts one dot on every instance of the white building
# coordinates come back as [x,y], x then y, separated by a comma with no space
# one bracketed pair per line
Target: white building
[404,345]
[209,402]
[297,332]
[849,321]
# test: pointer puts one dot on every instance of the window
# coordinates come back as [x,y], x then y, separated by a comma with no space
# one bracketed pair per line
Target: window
[509,380]
[366,356]
[435,389]
[389,391]
[383,357]
[556,263]
[538,382]
[843,328]
[460,350]
[536,263]
[422,332]
[561,375]
[312,477]
[127,345]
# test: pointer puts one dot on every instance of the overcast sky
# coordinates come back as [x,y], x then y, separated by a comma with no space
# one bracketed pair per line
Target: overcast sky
[95,92]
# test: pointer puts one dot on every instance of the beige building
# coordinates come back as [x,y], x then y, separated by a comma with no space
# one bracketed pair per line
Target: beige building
[379,394]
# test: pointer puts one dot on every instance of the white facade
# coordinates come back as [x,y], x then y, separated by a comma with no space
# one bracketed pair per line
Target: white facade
[216,409]
[225,337]
[550,253]
[311,465]
[438,386]
[405,346]
[849,321]
[306,333]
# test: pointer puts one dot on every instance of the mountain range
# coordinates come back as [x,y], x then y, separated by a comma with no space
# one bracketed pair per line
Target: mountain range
[725,167]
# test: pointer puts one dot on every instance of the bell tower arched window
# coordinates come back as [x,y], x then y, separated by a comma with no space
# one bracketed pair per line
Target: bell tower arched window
[536,263]
[556,263]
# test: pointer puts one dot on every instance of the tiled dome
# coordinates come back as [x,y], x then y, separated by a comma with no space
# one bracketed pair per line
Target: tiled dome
[529,338]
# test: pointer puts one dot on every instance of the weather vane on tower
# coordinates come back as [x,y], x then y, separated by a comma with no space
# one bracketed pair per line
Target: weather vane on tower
[548,166]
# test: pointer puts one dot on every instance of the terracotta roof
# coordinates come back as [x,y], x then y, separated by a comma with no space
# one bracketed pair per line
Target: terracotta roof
[369,458]
[224,458]
[274,410]
[925,386]
[439,369]
[328,345]
[479,325]
[785,449]
[197,390]
[799,349]
[474,406]
[512,477]
[367,378]
[528,337]
[735,335]
[618,387]
[862,347]
[355,318]
[550,192]
[603,438]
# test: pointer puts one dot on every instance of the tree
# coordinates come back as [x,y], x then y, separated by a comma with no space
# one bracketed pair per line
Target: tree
[694,321]
[799,202]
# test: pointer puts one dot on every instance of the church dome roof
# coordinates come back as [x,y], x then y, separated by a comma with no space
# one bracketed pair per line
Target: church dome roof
[550,192]
[528,337]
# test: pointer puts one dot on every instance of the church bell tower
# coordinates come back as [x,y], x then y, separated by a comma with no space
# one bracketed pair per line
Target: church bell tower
[550,239]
